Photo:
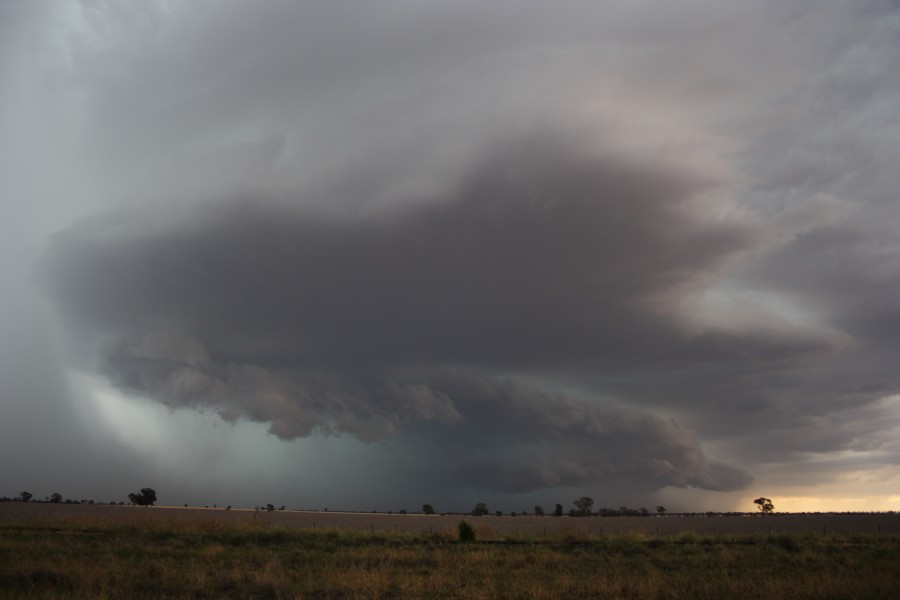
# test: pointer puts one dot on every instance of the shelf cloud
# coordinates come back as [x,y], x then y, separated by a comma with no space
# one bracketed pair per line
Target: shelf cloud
[547,256]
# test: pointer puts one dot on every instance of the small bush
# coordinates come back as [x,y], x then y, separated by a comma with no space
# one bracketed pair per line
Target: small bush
[688,537]
[466,532]
[787,542]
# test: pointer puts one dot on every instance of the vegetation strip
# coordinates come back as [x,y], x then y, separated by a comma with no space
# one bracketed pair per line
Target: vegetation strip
[54,558]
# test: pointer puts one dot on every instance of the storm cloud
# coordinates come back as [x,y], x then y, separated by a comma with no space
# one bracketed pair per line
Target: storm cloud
[549,255]
[622,246]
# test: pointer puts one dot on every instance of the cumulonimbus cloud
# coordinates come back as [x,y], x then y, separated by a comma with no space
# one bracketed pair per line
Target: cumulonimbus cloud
[548,256]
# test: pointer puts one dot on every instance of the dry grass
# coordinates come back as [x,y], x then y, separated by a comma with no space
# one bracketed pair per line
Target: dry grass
[146,556]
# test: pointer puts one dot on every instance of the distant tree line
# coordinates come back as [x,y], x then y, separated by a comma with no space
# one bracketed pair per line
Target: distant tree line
[582,507]
[54,498]
[146,497]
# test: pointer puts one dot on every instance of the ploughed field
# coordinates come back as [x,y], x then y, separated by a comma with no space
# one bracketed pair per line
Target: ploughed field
[96,551]
[527,526]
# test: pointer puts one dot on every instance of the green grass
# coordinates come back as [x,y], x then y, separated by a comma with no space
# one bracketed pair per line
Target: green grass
[147,558]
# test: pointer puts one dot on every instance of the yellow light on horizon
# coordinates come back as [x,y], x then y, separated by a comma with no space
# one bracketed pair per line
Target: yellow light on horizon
[833,504]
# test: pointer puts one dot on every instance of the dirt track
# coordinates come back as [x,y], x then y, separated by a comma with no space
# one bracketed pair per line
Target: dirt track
[505,525]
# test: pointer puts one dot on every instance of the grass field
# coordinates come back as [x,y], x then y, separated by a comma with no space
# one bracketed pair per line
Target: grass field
[49,551]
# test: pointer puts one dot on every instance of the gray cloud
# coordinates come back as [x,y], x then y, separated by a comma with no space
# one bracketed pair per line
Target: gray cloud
[544,254]
[521,438]
[500,435]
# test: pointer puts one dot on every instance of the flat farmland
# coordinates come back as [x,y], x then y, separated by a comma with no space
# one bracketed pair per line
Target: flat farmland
[56,551]
[489,526]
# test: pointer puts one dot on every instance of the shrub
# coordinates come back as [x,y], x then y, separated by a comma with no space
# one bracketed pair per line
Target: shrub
[786,542]
[466,532]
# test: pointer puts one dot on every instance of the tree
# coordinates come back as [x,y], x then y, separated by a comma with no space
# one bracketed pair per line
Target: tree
[661,510]
[428,509]
[25,496]
[539,510]
[765,505]
[146,497]
[56,497]
[558,512]
[480,510]
[584,505]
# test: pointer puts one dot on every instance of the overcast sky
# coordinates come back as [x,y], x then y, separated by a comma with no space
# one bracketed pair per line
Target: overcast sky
[372,255]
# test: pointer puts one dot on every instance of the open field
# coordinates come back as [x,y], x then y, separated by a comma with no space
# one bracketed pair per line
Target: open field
[531,526]
[92,551]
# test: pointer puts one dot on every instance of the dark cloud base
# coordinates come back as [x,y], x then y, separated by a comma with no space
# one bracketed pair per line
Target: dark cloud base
[495,434]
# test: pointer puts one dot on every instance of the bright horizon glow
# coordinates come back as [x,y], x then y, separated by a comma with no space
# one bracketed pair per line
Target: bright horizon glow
[796,504]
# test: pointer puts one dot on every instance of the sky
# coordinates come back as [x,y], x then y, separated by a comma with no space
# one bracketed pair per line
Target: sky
[366,255]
